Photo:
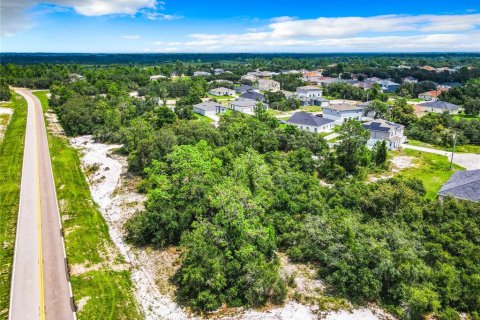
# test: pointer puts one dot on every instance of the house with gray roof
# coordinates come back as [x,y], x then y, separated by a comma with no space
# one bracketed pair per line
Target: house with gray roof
[439,107]
[246,88]
[312,123]
[209,108]
[342,112]
[252,95]
[463,185]
[383,130]
[221,92]
[244,105]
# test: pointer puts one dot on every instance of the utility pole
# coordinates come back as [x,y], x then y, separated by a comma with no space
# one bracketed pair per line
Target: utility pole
[453,151]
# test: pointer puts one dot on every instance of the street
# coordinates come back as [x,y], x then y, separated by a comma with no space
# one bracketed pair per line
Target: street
[40,287]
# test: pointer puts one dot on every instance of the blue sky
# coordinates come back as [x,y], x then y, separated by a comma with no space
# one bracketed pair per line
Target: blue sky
[239,26]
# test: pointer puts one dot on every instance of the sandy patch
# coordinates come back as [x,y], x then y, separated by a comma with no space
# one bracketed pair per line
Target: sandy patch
[53,124]
[5,116]
[81,303]
[397,164]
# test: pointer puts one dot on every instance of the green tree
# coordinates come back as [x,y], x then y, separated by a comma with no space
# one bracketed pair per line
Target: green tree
[379,152]
[472,107]
[351,150]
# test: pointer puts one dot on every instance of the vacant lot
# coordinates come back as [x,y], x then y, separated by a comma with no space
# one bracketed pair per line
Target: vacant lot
[432,169]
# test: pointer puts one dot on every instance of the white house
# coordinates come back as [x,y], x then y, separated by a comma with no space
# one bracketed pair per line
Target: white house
[309,122]
[222,92]
[249,77]
[381,130]
[244,105]
[268,85]
[342,112]
[410,80]
[156,77]
[201,74]
[209,108]
[218,71]
[308,92]
[438,106]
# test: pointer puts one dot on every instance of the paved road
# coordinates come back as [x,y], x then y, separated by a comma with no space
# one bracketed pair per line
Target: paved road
[469,161]
[40,284]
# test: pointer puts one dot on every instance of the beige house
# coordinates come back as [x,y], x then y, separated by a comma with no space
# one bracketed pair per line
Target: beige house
[268,85]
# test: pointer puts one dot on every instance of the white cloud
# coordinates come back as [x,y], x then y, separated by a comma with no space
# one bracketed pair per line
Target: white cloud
[16,15]
[378,33]
[131,36]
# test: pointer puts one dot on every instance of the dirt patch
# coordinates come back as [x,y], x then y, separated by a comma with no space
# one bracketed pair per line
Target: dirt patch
[80,303]
[53,125]
[397,164]
[5,116]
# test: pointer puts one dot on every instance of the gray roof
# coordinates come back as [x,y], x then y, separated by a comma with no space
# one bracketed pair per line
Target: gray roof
[244,103]
[463,185]
[208,105]
[440,105]
[244,88]
[308,119]
[381,125]
[253,95]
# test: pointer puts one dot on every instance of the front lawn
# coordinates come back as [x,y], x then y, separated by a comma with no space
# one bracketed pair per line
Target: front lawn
[311,108]
[201,118]
[432,169]
[467,148]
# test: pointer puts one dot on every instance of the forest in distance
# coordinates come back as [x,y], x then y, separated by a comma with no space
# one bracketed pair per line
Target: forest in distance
[234,195]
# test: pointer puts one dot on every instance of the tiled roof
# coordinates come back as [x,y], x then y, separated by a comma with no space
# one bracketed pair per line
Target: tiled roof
[463,185]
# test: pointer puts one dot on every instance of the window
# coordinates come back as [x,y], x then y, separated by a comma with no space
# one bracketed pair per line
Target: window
[315,129]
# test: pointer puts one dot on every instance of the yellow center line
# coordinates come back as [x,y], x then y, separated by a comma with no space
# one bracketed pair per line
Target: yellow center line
[39,217]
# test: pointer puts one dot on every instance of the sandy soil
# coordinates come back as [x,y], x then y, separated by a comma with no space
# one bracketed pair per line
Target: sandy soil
[5,116]
[397,164]
[113,191]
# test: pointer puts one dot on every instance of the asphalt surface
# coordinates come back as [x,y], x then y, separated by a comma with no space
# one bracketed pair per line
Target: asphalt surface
[40,284]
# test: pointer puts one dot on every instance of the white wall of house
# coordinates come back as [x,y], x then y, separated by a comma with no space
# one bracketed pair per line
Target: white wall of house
[302,93]
[325,128]
[204,112]
[341,116]
[226,92]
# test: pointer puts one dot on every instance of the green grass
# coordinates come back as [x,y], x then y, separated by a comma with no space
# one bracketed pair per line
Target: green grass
[87,241]
[311,108]
[11,155]
[467,148]
[464,116]
[432,169]
[203,118]
[274,112]
[416,100]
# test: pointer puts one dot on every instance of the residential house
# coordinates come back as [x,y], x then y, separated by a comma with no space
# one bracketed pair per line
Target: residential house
[324,81]
[369,115]
[252,95]
[438,106]
[209,108]
[363,85]
[311,96]
[288,94]
[389,86]
[268,85]
[383,130]
[431,95]
[410,80]
[201,74]
[222,92]
[222,82]
[309,122]
[342,112]
[249,77]
[311,76]
[218,71]
[373,80]
[74,77]
[463,185]
[245,88]
[157,77]
[244,105]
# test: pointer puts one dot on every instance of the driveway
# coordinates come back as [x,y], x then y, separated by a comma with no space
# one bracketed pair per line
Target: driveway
[470,161]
